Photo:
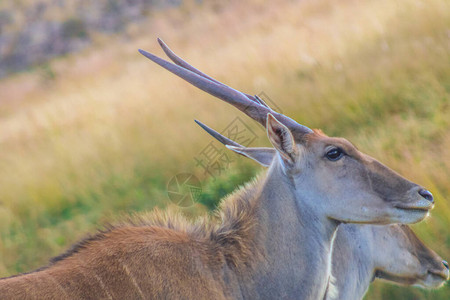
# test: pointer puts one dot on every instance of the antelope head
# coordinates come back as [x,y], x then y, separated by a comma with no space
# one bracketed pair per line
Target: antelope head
[403,258]
[323,173]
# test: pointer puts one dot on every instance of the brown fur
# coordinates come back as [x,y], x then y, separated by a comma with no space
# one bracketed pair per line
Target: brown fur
[160,255]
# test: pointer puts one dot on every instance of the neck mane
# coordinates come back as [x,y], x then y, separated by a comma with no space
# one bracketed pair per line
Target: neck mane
[232,228]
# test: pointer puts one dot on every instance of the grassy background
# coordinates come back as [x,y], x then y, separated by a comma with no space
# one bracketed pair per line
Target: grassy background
[96,135]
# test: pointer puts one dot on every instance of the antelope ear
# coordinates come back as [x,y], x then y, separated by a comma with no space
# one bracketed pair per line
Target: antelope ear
[261,155]
[282,140]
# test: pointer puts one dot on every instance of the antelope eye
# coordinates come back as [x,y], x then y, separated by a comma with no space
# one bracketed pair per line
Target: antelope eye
[335,154]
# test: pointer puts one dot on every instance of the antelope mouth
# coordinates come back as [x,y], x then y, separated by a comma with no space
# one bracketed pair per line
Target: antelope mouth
[414,208]
[434,279]
[442,275]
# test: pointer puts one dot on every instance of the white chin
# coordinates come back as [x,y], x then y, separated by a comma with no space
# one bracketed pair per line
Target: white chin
[407,216]
[431,282]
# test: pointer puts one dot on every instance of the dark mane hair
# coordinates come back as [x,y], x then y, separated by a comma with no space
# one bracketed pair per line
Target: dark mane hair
[229,230]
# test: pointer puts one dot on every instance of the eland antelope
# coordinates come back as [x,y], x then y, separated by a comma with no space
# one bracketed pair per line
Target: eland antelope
[272,239]
[362,253]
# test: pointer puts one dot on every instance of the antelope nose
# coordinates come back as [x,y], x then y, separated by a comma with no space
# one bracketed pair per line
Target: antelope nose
[426,194]
[445,264]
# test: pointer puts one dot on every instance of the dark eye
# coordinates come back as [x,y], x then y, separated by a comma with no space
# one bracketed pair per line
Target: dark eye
[335,154]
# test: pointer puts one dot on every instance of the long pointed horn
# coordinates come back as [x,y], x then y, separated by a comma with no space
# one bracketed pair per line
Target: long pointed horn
[182,63]
[253,109]
[220,91]
[262,155]
[221,138]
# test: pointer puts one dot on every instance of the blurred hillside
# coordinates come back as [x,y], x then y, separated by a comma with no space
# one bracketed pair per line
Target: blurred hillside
[97,134]
[32,32]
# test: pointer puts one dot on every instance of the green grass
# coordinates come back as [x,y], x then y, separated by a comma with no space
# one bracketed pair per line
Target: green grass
[101,137]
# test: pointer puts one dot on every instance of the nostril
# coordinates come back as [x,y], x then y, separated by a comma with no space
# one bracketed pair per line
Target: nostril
[445,264]
[426,194]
